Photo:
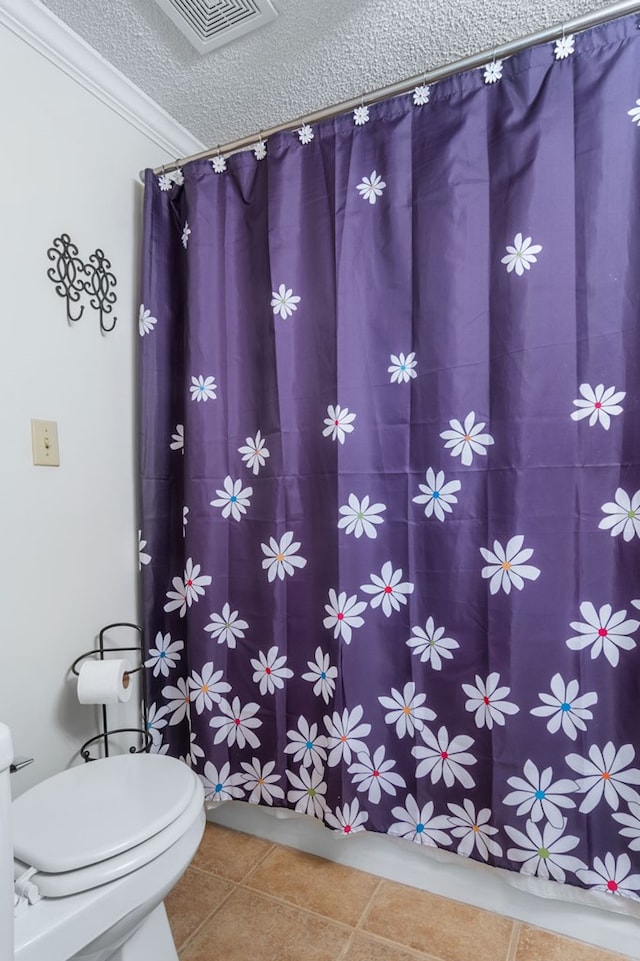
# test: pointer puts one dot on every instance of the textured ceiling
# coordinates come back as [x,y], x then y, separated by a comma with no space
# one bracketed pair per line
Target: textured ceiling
[316,53]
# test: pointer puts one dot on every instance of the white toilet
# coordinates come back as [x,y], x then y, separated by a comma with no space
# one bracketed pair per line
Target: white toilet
[95,851]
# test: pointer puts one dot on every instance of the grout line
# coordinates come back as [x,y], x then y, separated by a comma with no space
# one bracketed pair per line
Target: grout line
[257,864]
[211,914]
[398,946]
[345,951]
[297,907]
[512,950]
[365,911]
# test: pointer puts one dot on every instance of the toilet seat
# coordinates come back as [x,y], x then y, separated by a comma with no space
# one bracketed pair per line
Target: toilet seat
[93,824]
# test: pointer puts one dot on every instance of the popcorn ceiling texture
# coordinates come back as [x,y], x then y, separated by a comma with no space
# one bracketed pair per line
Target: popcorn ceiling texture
[315,54]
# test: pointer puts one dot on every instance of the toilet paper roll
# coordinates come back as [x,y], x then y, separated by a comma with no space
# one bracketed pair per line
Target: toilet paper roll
[104,682]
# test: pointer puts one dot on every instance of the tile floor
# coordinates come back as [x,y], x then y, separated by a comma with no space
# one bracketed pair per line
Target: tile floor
[246,899]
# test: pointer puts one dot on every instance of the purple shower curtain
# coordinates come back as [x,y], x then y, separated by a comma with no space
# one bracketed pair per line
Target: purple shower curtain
[390,465]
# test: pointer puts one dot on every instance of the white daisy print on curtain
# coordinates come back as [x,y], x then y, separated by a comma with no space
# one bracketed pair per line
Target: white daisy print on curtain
[339,422]
[598,404]
[221,785]
[437,496]
[187,591]
[203,388]
[612,876]
[421,94]
[270,671]
[194,753]
[623,515]
[545,853]
[143,557]
[487,701]
[419,824]
[604,632]
[186,233]
[207,687]
[281,557]
[179,700]
[388,589]
[261,782]
[254,453]
[406,710]
[177,439]
[348,819]
[564,708]
[164,655]
[361,116]
[361,517]
[284,301]
[445,758]
[344,614]
[260,150]
[146,322]
[227,626]
[402,369]
[634,113]
[305,134]
[306,745]
[605,774]
[521,255]
[185,520]
[539,796]
[322,675]
[506,567]
[234,499]
[307,794]
[371,187]
[374,775]
[493,71]
[345,734]
[565,46]
[155,722]
[632,825]
[468,439]
[474,830]
[219,164]
[431,644]
[236,724]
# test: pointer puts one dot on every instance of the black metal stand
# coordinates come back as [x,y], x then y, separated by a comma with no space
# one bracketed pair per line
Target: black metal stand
[104,736]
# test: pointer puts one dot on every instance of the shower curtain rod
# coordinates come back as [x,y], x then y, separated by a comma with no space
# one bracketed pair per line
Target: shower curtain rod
[405,86]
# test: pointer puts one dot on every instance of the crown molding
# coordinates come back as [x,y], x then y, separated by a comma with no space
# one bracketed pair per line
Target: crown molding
[36,25]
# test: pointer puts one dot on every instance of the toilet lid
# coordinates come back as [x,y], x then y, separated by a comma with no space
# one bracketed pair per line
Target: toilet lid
[98,810]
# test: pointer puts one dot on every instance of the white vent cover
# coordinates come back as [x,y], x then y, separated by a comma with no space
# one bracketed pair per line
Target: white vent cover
[208,24]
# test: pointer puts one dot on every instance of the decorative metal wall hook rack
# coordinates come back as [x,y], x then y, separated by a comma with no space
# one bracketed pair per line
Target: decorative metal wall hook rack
[73,278]
[103,738]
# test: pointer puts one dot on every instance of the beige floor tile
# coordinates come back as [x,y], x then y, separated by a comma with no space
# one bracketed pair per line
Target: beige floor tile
[448,930]
[229,854]
[364,947]
[330,889]
[251,927]
[537,945]
[192,900]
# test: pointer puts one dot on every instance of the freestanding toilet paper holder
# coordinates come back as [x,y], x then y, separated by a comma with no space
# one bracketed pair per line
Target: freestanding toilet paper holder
[103,738]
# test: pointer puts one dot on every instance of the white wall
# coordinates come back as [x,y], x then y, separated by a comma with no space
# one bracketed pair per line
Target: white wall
[69,162]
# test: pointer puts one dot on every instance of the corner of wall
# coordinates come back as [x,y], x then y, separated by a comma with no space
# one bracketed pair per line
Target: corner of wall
[43,31]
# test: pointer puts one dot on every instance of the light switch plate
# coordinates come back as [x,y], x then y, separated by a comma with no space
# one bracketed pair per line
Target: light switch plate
[44,440]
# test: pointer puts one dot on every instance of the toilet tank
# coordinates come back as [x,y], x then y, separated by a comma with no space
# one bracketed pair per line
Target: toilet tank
[6,849]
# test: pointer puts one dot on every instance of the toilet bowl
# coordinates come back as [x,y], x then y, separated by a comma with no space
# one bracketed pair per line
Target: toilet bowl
[96,849]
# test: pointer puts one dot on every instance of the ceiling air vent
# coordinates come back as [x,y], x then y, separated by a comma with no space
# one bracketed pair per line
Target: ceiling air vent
[208,24]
